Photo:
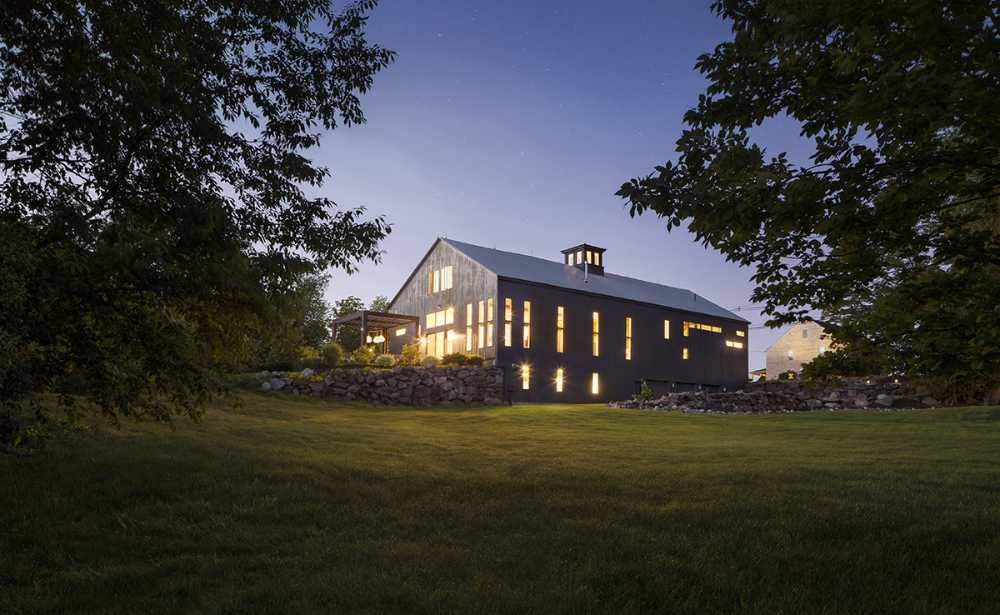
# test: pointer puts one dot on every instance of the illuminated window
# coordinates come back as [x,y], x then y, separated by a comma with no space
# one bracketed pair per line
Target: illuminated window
[666,329]
[468,327]
[560,323]
[400,331]
[684,354]
[449,316]
[440,279]
[526,339]
[525,377]
[628,338]
[595,343]
[734,344]
[482,324]
[439,345]
[590,257]
[595,384]
[579,256]
[559,380]
[700,327]
[597,258]
[741,334]
[447,277]
[441,318]
[450,342]
[508,315]
[489,322]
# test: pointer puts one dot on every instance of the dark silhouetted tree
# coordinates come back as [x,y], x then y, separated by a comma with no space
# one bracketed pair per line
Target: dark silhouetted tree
[892,229]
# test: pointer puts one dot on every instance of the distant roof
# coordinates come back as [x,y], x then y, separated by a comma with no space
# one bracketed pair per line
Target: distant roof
[515,266]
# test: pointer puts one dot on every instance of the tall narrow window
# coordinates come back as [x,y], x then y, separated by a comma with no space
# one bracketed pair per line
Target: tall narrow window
[595,346]
[579,256]
[590,257]
[666,329]
[468,327]
[527,325]
[447,277]
[525,377]
[684,353]
[560,323]
[687,330]
[449,316]
[436,277]
[595,384]
[489,322]
[559,380]
[628,338]
[482,324]
[449,342]
[508,315]
[430,282]
[597,258]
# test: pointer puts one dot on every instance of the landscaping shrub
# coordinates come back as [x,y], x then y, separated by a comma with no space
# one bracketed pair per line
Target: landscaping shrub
[333,354]
[384,360]
[363,355]
[457,358]
[430,362]
[411,354]
[645,392]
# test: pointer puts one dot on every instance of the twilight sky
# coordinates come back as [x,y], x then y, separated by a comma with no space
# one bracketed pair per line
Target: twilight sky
[512,124]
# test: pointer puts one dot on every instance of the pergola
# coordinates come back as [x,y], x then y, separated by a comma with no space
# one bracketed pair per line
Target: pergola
[374,324]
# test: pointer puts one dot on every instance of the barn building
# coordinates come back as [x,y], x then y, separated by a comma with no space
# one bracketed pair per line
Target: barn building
[799,345]
[567,331]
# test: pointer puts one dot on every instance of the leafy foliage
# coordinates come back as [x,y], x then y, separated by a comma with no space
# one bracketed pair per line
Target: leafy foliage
[333,354]
[348,336]
[645,392]
[458,358]
[892,230]
[410,354]
[362,355]
[153,178]
[384,360]
[379,304]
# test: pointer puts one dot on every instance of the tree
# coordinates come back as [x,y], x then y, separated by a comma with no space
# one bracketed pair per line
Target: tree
[153,168]
[380,304]
[294,318]
[892,230]
[348,336]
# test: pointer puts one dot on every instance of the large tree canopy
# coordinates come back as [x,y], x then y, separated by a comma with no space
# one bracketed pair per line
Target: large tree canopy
[892,229]
[156,189]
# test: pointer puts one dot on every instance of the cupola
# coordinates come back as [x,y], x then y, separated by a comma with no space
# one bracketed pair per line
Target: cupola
[585,256]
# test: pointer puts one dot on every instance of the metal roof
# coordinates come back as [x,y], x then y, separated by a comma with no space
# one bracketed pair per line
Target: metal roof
[515,266]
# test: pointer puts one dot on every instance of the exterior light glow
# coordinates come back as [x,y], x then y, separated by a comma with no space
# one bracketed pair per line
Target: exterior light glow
[559,380]
[525,376]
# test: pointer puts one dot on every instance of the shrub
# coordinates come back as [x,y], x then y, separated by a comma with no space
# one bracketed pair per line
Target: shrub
[431,361]
[384,360]
[333,354]
[457,358]
[363,355]
[645,392]
[411,354]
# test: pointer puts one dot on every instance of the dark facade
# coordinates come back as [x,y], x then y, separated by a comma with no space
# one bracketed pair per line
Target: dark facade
[715,345]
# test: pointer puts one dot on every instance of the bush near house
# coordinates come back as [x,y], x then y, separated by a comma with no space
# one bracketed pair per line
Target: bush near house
[458,358]
[384,360]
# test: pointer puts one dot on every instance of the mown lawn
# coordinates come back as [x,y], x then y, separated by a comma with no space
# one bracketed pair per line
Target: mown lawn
[296,506]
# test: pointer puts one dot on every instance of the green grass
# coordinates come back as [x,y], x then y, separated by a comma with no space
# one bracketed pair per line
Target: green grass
[304,506]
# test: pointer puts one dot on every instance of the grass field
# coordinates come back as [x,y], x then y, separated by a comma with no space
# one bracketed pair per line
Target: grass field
[296,506]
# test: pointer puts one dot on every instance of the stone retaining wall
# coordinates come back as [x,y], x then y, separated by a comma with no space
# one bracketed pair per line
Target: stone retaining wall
[777,396]
[407,386]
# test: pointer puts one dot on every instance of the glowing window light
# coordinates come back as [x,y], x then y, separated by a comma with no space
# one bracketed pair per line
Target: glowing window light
[595,342]
[400,331]
[666,329]
[526,337]
[684,354]
[595,384]
[628,338]
[468,327]
[559,380]
[560,324]
[525,376]
[741,334]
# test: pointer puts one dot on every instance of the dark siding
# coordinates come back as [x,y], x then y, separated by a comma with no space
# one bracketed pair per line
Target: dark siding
[472,283]
[710,363]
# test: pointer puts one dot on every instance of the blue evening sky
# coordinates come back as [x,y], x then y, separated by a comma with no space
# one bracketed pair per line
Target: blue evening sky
[512,124]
